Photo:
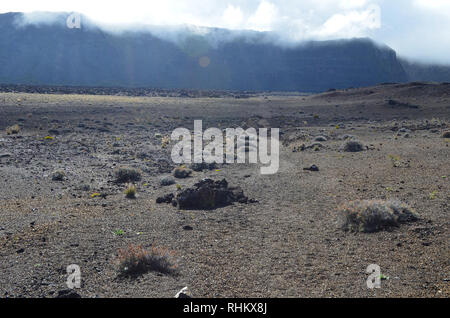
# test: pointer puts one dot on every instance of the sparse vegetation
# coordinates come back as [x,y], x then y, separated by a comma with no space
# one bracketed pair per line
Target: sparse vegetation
[125,175]
[130,192]
[13,130]
[165,141]
[166,181]
[135,260]
[433,195]
[396,161]
[353,146]
[119,232]
[374,215]
[182,172]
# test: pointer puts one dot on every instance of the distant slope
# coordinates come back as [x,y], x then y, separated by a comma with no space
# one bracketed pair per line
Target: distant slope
[53,54]
[426,72]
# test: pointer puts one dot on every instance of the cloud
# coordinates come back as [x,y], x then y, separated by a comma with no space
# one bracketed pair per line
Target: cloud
[233,17]
[351,24]
[415,28]
[264,17]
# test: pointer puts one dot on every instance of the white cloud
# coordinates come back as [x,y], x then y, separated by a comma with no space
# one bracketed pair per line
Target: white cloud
[264,18]
[233,17]
[351,24]
[415,28]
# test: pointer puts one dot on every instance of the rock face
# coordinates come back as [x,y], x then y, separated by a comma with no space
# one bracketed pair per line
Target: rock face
[209,194]
[51,53]
[206,195]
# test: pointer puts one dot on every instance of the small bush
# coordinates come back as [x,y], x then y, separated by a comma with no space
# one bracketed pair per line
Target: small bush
[125,175]
[374,215]
[446,134]
[13,130]
[352,146]
[135,260]
[130,192]
[182,172]
[165,141]
[167,181]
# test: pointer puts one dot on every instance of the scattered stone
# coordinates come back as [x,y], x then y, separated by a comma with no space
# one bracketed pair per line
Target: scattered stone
[58,175]
[53,131]
[84,187]
[167,181]
[345,137]
[320,138]
[188,228]
[166,198]
[5,155]
[312,168]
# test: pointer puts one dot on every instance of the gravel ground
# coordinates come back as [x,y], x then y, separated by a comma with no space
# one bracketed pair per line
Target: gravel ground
[288,244]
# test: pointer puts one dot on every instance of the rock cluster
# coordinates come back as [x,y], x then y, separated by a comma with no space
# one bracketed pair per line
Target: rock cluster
[206,195]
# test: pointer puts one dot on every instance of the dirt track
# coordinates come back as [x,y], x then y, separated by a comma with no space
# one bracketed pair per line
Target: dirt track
[287,245]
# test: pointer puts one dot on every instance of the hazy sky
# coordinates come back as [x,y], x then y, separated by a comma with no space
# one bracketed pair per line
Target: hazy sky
[418,29]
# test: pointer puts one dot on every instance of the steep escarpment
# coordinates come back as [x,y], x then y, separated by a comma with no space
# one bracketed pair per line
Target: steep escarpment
[53,54]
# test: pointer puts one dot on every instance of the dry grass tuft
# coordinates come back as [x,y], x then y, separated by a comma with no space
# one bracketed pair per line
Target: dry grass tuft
[374,215]
[13,130]
[130,192]
[135,260]
[126,175]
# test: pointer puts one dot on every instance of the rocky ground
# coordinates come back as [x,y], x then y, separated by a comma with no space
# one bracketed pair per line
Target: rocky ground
[61,204]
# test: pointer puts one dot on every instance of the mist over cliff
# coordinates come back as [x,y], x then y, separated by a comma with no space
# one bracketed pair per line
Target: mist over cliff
[34,52]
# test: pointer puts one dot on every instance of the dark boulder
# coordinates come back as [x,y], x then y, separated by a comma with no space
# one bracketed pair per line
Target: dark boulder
[209,194]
